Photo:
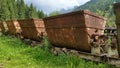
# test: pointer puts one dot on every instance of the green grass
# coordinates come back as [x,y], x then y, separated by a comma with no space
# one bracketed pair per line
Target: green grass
[16,54]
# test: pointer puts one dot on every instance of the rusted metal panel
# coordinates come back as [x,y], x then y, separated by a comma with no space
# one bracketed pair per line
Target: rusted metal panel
[94,22]
[32,28]
[73,30]
[117,13]
[2,28]
[13,27]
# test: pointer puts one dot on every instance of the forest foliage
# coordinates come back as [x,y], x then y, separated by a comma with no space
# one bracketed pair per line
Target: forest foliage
[17,9]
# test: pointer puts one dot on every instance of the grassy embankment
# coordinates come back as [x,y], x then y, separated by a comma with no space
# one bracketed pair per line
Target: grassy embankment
[16,54]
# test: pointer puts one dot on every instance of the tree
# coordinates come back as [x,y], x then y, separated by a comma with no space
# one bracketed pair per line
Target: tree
[11,8]
[41,14]
[17,9]
[21,9]
[27,12]
[32,13]
[4,11]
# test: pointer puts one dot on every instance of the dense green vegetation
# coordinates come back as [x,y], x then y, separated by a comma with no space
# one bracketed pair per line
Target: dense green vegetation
[15,54]
[17,9]
[55,13]
[101,7]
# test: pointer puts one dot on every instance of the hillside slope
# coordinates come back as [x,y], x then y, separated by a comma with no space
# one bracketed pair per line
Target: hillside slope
[101,7]
[95,5]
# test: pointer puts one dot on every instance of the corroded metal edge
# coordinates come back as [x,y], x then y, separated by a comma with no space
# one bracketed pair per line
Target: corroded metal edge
[76,13]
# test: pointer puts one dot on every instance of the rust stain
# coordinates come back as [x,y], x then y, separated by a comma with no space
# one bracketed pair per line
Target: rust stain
[73,30]
[13,27]
[32,28]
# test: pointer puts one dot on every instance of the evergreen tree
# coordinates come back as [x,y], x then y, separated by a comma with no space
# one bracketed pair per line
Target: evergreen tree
[11,9]
[21,9]
[26,11]
[4,11]
[32,12]
[41,14]
[17,9]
